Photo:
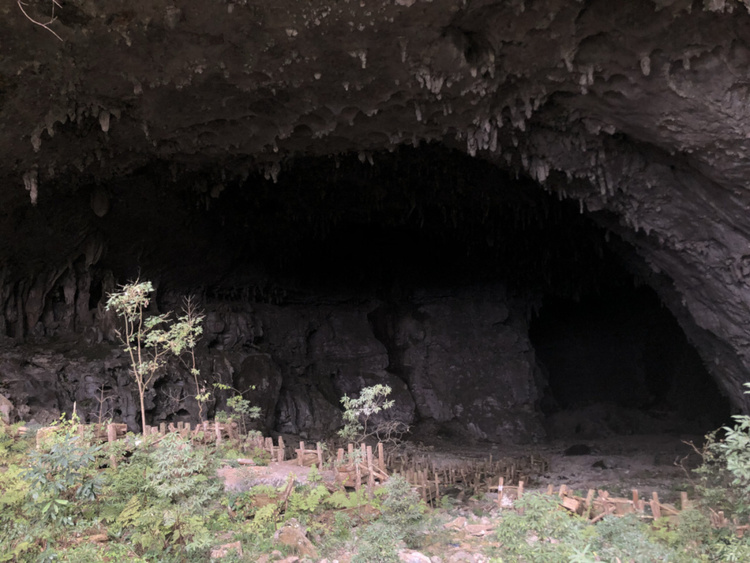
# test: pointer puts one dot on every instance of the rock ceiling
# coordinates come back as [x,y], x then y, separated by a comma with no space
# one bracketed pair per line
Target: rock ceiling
[636,108]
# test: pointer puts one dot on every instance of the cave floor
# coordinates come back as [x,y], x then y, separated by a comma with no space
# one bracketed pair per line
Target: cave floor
[647,462]
[618,464]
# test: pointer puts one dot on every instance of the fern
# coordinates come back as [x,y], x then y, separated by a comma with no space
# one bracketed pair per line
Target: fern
[341,499]
[265,518]
[130,513]
[307,500]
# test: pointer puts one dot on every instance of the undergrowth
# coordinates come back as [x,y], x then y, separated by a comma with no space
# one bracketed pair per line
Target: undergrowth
[64,501]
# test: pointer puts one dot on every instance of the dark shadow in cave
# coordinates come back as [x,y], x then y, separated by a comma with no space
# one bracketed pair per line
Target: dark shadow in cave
[620,363]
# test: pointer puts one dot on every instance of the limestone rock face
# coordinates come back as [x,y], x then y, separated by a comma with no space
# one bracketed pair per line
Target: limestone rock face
[467,358]
[153,139]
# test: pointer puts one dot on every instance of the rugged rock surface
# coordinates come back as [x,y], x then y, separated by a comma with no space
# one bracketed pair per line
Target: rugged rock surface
[211,145]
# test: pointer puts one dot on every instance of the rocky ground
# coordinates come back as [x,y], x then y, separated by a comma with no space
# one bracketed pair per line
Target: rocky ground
[463,530]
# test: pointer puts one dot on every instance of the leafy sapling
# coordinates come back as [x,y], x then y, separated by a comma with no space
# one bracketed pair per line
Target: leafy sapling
[144,338]
[359,413]
[151,340]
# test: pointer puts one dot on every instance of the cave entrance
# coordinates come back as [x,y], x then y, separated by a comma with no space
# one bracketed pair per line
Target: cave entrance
[619,363]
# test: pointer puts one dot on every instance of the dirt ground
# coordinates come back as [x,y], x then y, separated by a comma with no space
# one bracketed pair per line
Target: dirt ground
[649,463]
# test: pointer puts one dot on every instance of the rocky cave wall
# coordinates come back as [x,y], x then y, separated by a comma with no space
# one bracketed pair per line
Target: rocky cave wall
[307,304]
[636,112]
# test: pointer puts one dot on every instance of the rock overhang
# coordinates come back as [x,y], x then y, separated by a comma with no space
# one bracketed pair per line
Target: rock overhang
[637,109]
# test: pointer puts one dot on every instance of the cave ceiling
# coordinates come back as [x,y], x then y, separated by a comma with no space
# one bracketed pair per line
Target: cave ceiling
[635,111]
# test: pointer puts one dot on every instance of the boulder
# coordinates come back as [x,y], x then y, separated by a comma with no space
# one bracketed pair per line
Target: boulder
[7,410]
[294,537]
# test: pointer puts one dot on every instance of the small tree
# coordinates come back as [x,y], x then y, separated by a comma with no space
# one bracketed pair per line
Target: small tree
[358,413]
[185,334]
[242,410]
[149,341]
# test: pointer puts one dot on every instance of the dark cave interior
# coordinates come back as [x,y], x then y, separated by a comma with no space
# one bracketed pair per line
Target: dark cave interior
[417,221]
[623,348]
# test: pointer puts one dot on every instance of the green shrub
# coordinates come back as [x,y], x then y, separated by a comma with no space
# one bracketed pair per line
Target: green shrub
[62,475]
[12,444]
[628,537]
[401,520]
[541,530]
[162,500]
[378,543]
[181,473]
[723,478]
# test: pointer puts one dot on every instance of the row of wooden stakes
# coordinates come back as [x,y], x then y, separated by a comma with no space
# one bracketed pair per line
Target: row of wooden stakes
[598,503]
[363,466]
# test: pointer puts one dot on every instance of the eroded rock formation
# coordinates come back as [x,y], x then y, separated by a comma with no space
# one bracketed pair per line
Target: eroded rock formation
[255,153]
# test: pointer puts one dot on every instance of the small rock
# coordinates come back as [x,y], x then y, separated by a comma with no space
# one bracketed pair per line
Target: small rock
[461,556]
[6,409]
[456,524]
[478,529]
[578,449]
[294,537]
[411,556]
[223,550]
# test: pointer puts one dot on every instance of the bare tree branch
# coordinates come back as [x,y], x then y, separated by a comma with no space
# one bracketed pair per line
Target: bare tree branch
[45,25]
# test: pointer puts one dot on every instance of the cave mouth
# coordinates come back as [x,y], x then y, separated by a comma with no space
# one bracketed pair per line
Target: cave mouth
[419,269]
[619,363]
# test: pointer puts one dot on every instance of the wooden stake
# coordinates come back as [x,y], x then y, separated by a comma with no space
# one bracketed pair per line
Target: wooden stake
[370,472]
[589,500]
[655,508]
[112,437]
[319,451]
[500,487]
[357,475]
[163,428]
[381,460]
[520,489]
[282,450]
[301,454]
[684,502]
